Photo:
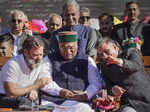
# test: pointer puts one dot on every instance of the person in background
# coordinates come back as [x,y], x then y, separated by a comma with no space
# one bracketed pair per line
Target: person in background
[106,24]
[54,23]
[6,48]
[125,69]
[6,45]
[133,27]
[75,74]
[17,20]
[86,35]
[23,75]
[85,16]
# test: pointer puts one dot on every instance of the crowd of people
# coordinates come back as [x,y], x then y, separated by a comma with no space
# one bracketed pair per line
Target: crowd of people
[71,63]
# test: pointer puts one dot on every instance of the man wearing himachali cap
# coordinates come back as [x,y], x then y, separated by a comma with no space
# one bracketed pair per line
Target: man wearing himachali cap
[76,75]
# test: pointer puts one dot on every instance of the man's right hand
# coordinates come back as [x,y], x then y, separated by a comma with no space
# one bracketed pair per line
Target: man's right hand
[117,90]
[65,93]
[33,95]
[42,82]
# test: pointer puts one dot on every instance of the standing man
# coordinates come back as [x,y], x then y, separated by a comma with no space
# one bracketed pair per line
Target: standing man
[75,74]
[125,69]
[54,23]
[85,16]
[17,21]
[133,27]
[22,76]
[106,24]
[86,36]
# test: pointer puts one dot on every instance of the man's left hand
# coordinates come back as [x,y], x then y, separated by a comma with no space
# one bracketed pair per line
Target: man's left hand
[79,96]
[33,95]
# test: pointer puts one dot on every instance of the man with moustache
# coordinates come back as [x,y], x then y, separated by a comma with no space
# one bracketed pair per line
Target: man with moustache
[23,75]
[17,20]
[85,16]
[133,27]
[106,25]
[76,75]
[86,35]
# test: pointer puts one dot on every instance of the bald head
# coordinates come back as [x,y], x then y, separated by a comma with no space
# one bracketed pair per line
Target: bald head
[54,22]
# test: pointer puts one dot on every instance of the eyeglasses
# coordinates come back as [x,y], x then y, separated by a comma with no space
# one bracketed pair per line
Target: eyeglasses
[85,17]
[14,20]
[66,48]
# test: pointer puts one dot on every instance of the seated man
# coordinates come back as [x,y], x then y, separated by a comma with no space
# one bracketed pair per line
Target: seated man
[22,75]
[126,70]
[76,74]
[6,48]
[6,45]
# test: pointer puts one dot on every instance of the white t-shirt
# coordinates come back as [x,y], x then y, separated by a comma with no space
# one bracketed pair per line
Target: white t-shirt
[16,71]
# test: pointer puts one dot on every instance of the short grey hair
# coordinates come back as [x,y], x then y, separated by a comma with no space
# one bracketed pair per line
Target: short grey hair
[52,15]
[21,13]
[71,2]
[107,40]
[84,9]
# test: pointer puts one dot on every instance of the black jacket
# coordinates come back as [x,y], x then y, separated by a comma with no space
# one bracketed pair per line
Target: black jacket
[140,30]
[132,77]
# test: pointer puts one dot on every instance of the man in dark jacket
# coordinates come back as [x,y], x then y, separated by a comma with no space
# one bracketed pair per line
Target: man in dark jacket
[76,75]
[126,69]
[133,27]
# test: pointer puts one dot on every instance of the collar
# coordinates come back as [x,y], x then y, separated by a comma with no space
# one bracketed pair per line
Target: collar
[15,36]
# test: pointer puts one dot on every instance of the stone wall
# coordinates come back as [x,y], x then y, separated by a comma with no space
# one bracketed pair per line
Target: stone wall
[42,8]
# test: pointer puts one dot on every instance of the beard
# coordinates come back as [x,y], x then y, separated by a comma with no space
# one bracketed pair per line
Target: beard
[31,63]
